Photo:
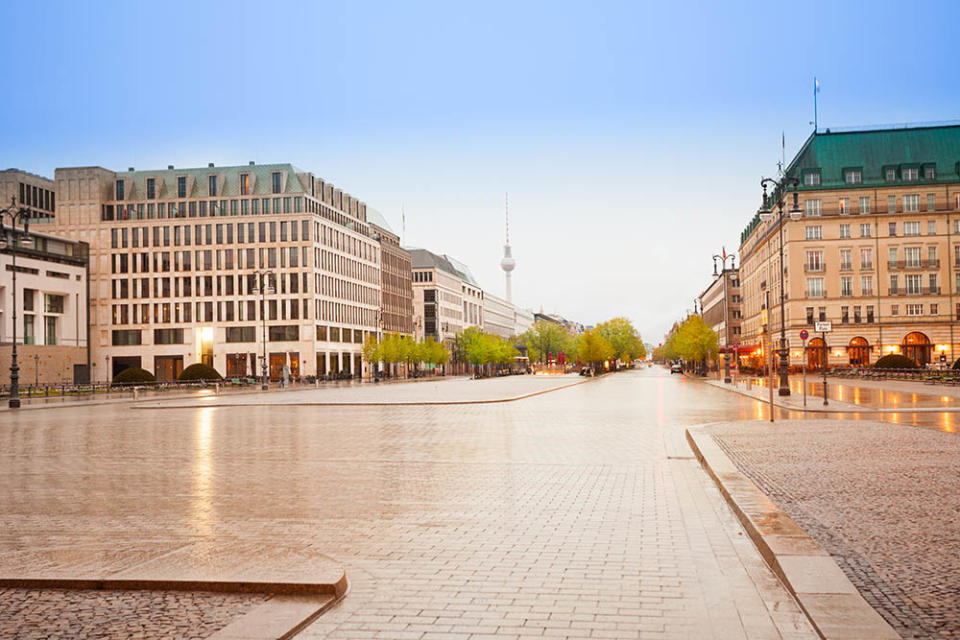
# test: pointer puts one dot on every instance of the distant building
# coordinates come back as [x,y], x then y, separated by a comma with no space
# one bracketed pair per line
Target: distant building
[569,325]
[499,316]
[34,192]
[51,309]
[523,320]
[396,277]
[438,306]
[720,308]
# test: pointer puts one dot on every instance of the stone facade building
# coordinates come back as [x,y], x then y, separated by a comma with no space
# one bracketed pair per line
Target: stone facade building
[177,257]
[24,189]
[438,306]
[876,250]
[396,278]
[720,308]
[51,308]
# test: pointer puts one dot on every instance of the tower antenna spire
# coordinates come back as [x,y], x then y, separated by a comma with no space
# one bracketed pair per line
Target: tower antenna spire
[507,264]
[506,207]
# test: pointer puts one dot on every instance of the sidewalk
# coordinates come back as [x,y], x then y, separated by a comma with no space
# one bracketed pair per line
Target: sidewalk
[868,396]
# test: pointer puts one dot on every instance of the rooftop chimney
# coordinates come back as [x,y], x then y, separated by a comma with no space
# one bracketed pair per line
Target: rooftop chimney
[210,164]
[129,168]
[252,163]
[169,166]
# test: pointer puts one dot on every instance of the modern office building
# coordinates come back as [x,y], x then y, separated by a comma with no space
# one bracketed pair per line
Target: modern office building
[24,189]
[230,266]
[438,305]
[396,277]
[50,304]
[499,316]
[523,320]
[875,251]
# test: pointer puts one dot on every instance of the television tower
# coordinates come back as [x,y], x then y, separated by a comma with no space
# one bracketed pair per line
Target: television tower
[508,263]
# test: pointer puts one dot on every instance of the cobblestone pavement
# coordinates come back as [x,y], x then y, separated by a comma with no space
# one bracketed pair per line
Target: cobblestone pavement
[882,499]
[82,615]
[579,513]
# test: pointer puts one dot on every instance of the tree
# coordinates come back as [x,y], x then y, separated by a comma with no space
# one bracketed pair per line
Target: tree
[624,339]
[545,338]
[595,349]
[694,340]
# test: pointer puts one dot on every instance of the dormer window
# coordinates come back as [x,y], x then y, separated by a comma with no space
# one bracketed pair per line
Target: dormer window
[181,186]
[211,186]
[853,176]
[890,173]
[120,190]
[275,181]
[910,174]
[244,184]
[930,172]
[151,188]
[811,179]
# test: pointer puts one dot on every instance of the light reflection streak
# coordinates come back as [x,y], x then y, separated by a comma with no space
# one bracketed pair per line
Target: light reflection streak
[202,504]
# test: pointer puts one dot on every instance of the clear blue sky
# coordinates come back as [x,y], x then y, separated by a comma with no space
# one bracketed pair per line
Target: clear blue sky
[631,136]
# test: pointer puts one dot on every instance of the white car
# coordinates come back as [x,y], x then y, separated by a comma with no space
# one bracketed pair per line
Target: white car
[676,368]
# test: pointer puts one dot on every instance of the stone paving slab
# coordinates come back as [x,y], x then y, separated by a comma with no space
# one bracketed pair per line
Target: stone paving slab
[880,498]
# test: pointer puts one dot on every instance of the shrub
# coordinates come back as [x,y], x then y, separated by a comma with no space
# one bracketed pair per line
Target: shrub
[895,361]
[132,375]
[199,371]
[956,365]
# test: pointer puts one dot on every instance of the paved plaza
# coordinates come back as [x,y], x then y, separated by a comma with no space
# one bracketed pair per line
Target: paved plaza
[577,513]
[881,498]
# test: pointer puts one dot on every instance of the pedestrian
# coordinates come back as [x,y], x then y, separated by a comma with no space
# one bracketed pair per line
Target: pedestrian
[286,376]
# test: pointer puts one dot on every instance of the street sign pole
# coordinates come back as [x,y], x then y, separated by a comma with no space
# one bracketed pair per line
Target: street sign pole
[824,328]
[803,337]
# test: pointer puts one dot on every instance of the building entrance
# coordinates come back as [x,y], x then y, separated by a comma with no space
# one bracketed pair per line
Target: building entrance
[917,347]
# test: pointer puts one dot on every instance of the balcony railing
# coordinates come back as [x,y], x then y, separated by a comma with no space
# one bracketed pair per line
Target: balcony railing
[814,268]
[817,294]
[846,266]
[866,265]
[918,291]
[914,264]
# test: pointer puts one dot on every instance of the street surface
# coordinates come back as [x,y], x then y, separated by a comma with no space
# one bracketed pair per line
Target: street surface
[576,513]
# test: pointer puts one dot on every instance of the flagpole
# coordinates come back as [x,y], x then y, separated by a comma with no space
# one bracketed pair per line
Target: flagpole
[814,104]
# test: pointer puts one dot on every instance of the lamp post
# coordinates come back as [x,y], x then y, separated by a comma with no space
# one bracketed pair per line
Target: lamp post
[263,286]
[12,238]
[723,257]
[780,187]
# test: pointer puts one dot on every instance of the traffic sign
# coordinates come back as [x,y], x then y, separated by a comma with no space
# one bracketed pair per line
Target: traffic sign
[804,334]
[824,327]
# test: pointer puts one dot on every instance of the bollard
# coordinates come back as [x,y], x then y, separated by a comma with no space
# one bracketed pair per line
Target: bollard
[216,388]
[136,392]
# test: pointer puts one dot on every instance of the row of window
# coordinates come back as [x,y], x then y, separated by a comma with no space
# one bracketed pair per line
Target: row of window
[52,302]
[910,228]
[38,197]
[245,184]
[184,235]
[203,260]
[909,203]
[201,208]
[904,173]
[209,311]
[913,286]
[912,258]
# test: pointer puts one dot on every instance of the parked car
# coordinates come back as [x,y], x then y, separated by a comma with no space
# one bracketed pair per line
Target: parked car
[676,368]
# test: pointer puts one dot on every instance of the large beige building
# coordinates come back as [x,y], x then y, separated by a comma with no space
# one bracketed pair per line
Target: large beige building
[875,251]
[396,278]
[28,190]
[720,308]
[174,261]
[438,300]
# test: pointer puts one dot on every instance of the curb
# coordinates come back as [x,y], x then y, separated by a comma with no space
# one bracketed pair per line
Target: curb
[830,601]
[291,608]
[430,403]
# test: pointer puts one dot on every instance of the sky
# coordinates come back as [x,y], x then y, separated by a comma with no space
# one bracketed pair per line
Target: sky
[630,136]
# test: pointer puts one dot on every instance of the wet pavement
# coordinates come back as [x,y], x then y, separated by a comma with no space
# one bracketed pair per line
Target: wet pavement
[576,513]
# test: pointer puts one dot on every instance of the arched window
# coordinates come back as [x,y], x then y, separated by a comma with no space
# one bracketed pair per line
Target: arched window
[917,347]
[859,352]
[816,353]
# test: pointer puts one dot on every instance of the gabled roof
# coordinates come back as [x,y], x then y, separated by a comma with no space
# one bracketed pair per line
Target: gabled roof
[376,218]
[423,259]
[873,150]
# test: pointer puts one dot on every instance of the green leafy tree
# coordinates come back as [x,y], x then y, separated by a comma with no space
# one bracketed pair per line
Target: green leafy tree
[545,338]
[624,339]
[695,340]
[595,349]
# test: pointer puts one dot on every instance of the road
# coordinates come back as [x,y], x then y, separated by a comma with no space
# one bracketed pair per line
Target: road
[576,513]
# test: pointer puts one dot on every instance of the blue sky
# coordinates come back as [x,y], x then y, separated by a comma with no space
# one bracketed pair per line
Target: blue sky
[630,136]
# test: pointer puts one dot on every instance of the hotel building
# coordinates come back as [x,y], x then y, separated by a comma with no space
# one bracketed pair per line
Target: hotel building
[720,308]
[396,277]
[876,250]
[438,304]
[178,256]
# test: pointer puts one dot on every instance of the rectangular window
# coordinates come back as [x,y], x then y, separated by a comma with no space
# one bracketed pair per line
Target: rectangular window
[911,203]
[911,228]
[934,309]
[811,179]
[914,309]
[892,229]
[844,315]
[864,204]
[181,186]
[120,191]
[914,284]
[891,204]
[811,208]
[853,176]
[911,256]
[168,336]
[866,285]
[931,202]
[932,280]
[284,333]
[211,186]
[275,182]
[891,174]
[865,230]
[814,261]
[931,227]
[846,261]
[814,233]
[844,205]
[910,174]
[151,188]
[894,284]
[846,286]
[844,231]
[814,287]
[930,172]
[53,303]
[123,337]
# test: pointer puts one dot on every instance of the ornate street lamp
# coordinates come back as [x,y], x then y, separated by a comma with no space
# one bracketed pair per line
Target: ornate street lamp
[265,283]
[723,257]
[11,238]
[780,188]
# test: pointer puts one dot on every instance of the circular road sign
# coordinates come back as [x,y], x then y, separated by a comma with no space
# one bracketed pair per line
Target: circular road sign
[804,334]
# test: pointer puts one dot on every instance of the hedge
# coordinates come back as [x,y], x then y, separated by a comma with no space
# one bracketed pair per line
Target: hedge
[199,371]
[895,361]
[134,374]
